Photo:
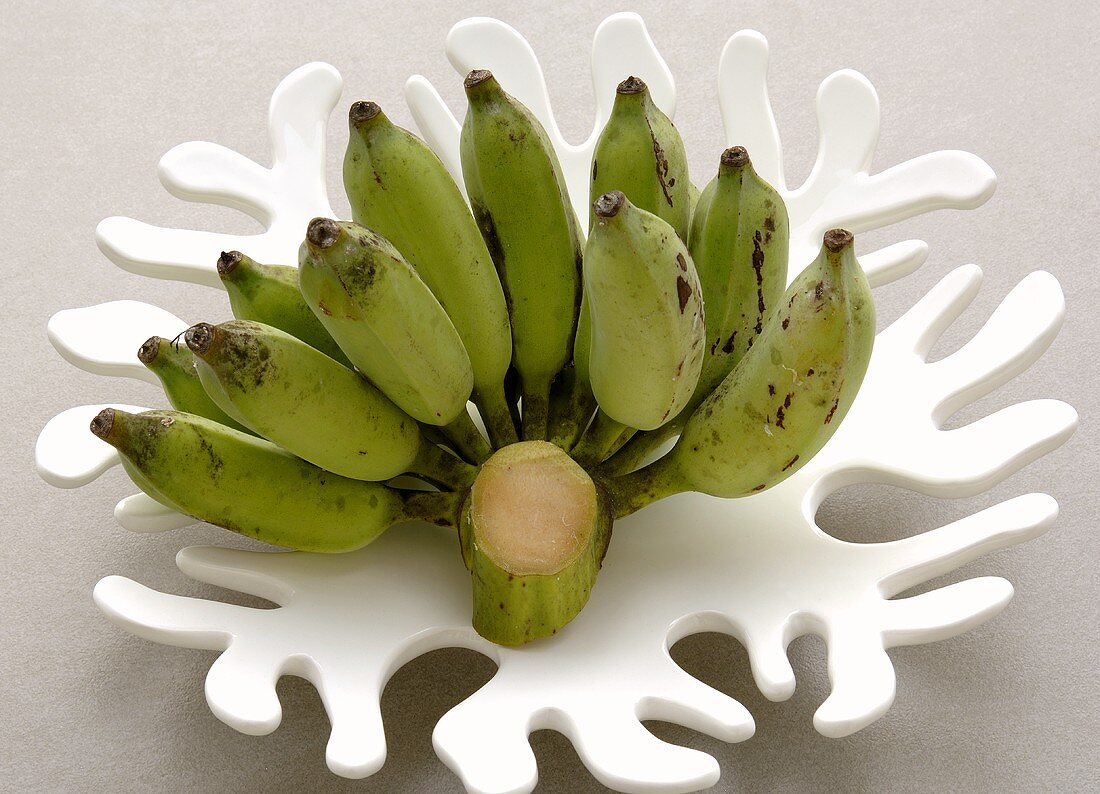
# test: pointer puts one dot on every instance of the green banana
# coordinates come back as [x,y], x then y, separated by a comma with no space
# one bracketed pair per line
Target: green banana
[783,401]
[175,367]
[269,294]
[400,189]
[252,487]
[640,153]
[519,198]
[290,393]
[646,312]
[739,240]
[533,532]
[386,319]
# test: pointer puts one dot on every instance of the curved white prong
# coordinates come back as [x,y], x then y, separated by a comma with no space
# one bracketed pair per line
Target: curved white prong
[485,43]
[168,619]
[689,702]
[915,560]
[974,458]
[940,180]
[357,741]
[944,612]
[437,125]
[623,755]
[622,47]
[235,569]
[497,757]
[918,330]
[213,174]
[894,261]
[104,339]
[142,513]
[67,454]
[297,122]
[863,682]
[1020,329]
[240,689]
[175,254]
[771,669]
[848,124]
[746,110]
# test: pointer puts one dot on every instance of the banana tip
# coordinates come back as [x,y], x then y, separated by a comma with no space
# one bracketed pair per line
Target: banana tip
[631,85]
[200,337]
[147,353]
[609,204]
[836,240]
[362,112]
[103,422]
[477,77]
[736,156]
[323,232]
[228,262]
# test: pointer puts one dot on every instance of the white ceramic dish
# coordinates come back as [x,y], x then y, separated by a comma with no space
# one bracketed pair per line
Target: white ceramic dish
[757,568]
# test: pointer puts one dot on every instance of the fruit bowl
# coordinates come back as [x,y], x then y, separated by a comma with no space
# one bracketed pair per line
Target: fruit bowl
[758,568]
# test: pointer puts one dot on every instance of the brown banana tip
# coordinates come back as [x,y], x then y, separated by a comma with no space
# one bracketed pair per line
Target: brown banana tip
[477,77]
[736,156]
[836,240]
[362,112]
[228,262]
[323,232]
[631,85]
[609,204]
[103,422]
[200,337]
[147,353]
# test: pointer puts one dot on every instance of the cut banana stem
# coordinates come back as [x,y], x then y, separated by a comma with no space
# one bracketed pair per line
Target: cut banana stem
[174,365]
[521,204]
[246,484]
[269,294]
[387,321]
[534,532]
[467,440]
[647,326]
[785,398]
[640,153]
[398,187]
[598,440]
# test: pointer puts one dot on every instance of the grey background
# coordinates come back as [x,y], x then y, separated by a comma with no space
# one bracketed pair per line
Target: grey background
[91,94]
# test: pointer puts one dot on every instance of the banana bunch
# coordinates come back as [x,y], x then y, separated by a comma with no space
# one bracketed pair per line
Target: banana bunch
[341,398]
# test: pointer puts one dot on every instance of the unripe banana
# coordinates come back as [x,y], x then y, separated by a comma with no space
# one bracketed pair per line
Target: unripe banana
[174,365]
[253,487]
[294,395]
[519,198]
[385,319]
[400,189]
[646,313]
[269,294]
[640,153]
[786,397]
[739,240]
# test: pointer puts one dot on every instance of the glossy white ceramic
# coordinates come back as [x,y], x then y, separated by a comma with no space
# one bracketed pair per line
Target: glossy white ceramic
[757,568]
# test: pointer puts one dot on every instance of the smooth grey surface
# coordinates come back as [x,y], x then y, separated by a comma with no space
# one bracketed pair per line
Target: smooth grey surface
[91,94]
